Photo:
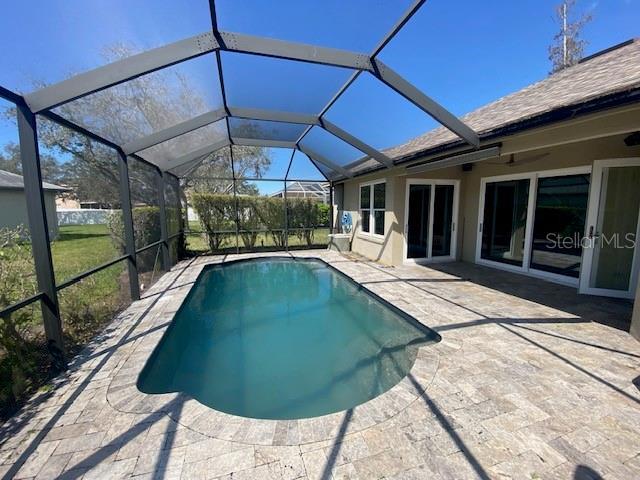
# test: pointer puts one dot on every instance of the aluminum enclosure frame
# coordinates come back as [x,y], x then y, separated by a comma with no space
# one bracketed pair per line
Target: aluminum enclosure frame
[217,41]
[42,101]
[48,288]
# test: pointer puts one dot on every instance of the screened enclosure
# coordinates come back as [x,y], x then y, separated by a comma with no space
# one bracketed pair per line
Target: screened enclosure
[221,134]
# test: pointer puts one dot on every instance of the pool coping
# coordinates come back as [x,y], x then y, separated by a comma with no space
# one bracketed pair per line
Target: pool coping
[124,396]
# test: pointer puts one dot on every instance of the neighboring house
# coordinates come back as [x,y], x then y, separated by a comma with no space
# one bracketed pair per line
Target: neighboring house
[295,189]
[14,204]
[71,211]
[561,186]
[68,202]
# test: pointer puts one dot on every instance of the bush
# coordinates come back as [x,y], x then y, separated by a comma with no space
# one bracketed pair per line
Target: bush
[173,220]
[305,215]
[324,211]
[257,214]
[250,222]
[90,304]
[85,308]
[17,282]
[271,213]
[146,230]
[217,215]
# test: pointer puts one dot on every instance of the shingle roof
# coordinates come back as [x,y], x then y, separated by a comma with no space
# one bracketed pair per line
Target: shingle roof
[613,71]
[13,181]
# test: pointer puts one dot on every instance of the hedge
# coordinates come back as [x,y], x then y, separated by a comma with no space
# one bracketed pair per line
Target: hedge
[146,230]
[254,214]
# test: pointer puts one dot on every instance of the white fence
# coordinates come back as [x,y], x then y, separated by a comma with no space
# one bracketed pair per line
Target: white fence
[83,216]
[192,215]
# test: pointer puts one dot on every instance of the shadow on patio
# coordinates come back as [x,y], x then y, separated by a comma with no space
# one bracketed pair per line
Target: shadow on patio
[23,419]
[532,334]
[612,312]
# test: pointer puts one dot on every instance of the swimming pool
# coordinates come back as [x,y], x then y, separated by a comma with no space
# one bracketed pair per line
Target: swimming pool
[282,338]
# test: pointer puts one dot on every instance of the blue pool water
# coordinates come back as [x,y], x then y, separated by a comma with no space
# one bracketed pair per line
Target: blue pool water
[279,338]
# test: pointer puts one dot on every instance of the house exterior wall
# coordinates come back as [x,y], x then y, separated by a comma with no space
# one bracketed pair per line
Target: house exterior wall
[570,144]
[14,210]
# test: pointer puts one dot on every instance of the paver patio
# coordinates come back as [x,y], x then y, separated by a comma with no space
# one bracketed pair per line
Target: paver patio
[524,384]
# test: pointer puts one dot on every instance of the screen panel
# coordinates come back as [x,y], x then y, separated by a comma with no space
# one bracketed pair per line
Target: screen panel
[64,37]
[89,305]
[302,168]
[261,162]
[172,206]
[182,145]
[86,218]
[261,215]
[18,281]
[308,213]
[330,147]
[281,85]
[355,25]
[149,103]
[143,185]
[326,171]
[213,174]
[265,130]
[391,119]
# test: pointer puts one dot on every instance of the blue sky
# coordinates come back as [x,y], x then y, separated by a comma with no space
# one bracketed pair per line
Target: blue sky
[462,53]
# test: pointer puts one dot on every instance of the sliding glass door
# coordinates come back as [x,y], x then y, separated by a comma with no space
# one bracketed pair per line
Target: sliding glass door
[442,220]
[430,213]
[419,221]
[560,216]
[610,260]
[535,222]
[504,221]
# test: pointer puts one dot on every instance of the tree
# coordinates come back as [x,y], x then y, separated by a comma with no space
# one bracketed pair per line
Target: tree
[567,47]
[214,174]
[10,161]
[127,112]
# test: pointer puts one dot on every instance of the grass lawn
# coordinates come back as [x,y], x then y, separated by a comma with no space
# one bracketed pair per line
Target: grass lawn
[79,248]
[85,307]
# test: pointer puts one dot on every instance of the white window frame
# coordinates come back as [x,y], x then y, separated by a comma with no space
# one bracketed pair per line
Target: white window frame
[592,220]
[531,207]
[372,221]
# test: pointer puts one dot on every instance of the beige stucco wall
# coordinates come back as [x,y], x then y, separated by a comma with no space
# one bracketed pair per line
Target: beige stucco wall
[14,210]
[571,144]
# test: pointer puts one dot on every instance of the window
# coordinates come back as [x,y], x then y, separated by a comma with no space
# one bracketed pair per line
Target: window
[372,207]
[365,207]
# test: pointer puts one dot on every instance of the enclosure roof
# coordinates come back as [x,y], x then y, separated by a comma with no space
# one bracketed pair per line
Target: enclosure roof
[262,91]
[12,181]
[305,188]
[298,186]
[613,71]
